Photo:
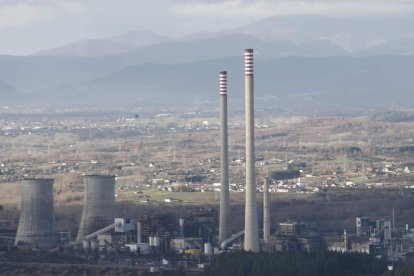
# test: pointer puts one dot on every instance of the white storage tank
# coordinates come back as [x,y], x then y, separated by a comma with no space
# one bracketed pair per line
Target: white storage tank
[156,241]
[86,244]
[141,248]
[207,248]
[94,244]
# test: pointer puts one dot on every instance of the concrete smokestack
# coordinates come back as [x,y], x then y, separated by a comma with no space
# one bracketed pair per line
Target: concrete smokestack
[139,231]
[251,238]
[98,204]
[266,211]
[224,195]
[181,225]
[37,215]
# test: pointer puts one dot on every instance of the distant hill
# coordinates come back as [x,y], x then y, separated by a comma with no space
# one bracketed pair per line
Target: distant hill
[302,63]
[296,83]
[8,95]
[404,46]
[308,35]
[109,46]
[353,34]
[34,73]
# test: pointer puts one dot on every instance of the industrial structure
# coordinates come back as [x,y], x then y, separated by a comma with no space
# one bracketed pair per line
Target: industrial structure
[36,224]
[155,234]
[98,204]
[251,238]
[201,224]
[163,225]
[294,236]
[224,189]
[380,228]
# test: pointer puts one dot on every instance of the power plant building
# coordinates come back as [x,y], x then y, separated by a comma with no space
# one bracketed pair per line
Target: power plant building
[363,227]
[294,236]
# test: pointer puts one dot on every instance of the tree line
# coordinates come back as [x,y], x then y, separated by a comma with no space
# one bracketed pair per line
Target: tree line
[295,263]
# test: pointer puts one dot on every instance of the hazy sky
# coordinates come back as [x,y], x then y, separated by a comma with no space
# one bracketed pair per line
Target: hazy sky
[27,26]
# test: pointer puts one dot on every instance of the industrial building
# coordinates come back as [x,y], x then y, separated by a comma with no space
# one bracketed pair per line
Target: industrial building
[163,225]
[371,237]
[155,234]
[182,244]
[293,236]
[348,243]
[363,227]
[380,228]
[201,224]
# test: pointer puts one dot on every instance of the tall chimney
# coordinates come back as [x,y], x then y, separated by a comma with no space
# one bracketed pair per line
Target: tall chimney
[224,195]
[251,238]
[139,232]
[266,212]
[181,225]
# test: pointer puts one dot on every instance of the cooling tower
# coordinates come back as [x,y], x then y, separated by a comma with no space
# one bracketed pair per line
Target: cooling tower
[37,216]
[224,194]
[251,238]
[98,204]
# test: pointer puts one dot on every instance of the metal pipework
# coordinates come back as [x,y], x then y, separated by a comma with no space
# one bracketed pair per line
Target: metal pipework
[98,204]
[251,238]
[224,194]
[36,223]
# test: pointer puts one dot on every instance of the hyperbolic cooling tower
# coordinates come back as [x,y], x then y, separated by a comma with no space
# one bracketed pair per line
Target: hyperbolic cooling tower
[37,216]
[251,236]
[224,194]
[98,204]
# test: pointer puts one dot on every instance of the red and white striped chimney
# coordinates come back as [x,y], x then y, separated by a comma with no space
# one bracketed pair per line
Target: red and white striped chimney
[251,238]
[223,83]
[248,62]
[224,194]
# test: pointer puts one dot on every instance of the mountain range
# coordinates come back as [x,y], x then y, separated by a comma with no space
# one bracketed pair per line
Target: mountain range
[101,47]
[8,95]
[302,62]
[296,83]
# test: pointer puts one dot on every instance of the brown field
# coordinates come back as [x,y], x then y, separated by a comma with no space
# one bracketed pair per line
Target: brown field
[319,143]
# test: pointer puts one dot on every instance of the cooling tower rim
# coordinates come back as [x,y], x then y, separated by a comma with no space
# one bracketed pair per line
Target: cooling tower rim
[37,179]
[99,176]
